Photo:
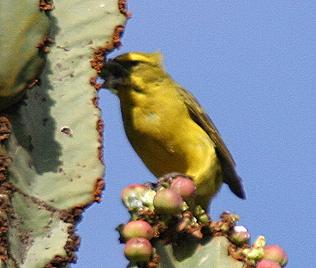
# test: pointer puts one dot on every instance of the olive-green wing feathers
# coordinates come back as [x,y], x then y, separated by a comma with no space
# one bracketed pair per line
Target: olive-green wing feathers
[226,159]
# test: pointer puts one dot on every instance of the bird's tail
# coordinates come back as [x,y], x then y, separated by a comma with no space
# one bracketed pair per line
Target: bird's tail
[231,178]
[235,185]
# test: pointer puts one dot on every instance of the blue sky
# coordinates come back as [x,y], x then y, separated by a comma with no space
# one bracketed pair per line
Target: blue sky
[252,66]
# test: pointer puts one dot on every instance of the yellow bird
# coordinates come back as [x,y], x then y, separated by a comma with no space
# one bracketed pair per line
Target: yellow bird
[167,127]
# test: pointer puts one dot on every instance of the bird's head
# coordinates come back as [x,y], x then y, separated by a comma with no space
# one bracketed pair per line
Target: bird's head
[133,71]
[134,58]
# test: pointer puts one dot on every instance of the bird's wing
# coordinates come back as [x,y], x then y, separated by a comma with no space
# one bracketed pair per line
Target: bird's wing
[226,159]
[205,122]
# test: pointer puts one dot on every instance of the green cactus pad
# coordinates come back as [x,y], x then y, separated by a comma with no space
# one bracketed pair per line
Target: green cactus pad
[56,142]
[209,254]
[23,28]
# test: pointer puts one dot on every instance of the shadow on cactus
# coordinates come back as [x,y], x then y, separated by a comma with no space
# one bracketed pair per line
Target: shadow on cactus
[34,126]
[168,229]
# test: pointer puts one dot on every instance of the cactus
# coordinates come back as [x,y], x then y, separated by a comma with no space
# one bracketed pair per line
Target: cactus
[51,140]
[209,253]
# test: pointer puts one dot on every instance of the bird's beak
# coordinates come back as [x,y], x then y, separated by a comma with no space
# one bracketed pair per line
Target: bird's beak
[114,74]
[115,68]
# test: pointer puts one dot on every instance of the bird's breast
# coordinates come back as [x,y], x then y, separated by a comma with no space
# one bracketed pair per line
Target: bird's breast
[152,133]
[167,141]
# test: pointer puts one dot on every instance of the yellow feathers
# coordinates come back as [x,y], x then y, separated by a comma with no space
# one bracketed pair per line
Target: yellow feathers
[167,127]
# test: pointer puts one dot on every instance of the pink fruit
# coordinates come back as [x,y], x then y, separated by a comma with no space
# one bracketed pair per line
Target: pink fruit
[133,189]
[138,250]
[267,264]
[138,228]
[167,201]
[184,187]
[275,253]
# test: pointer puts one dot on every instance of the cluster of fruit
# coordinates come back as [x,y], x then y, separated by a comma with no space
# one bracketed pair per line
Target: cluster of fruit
[166,213]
